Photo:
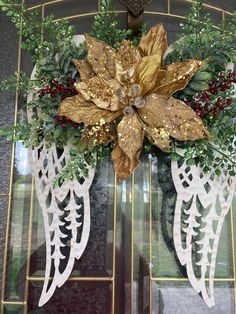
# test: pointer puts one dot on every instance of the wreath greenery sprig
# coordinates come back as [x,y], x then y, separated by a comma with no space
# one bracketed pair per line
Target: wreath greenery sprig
[210,92]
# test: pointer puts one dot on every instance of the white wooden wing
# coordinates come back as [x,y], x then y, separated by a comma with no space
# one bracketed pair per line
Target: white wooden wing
[66,215]
[203,201]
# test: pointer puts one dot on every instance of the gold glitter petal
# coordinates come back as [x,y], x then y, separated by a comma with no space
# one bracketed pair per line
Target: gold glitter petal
[128,55]
[190,130]
[154,113]
[103,134]
[148,73]
[84,69]
[100,91]
[177,77]
[159,137]
[110,60]
[155,41]
[123,165]
[174,116]
[130,135]
[99,54]
[127,59]
[81,111]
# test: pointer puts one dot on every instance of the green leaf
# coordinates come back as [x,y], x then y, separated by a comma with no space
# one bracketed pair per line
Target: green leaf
[189,91]
[175,156]
[191,162]
[198,86]
[202,76]
[43,62]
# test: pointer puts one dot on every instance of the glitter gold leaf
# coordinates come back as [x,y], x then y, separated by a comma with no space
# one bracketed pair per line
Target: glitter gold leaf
[155,41]
[177,77]
[80,111]
[98,55]
[149,72]
[130,135]
[159,137]
[110,60]
[93,135]
[84,69]
[174,116]
[101,91]
[127,59]
[123,165]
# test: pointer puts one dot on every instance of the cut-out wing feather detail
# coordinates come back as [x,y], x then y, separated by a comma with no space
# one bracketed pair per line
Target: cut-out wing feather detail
[203,201]
[66,215]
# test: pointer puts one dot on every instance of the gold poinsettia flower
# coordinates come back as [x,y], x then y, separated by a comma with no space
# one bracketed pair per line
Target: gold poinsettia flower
[125,95]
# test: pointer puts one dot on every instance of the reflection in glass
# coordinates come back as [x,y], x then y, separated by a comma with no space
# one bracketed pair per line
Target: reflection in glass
[180,298]
[13,309]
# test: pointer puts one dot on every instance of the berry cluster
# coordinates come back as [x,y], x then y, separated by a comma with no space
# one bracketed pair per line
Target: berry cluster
[222,82]
[64,121]
[216,98]
[55,88]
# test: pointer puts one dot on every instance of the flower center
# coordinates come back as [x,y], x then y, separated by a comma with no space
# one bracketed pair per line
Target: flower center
[136,100]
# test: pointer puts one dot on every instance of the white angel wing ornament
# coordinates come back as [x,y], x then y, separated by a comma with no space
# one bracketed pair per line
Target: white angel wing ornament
[66,215]
[203,201]
[65,210]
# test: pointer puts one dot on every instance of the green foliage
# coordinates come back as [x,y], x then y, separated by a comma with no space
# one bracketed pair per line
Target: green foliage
[215,155]
[21,132]
[52,48]
[77,168]
[105,27]
[17,82]
[201,40]
[40,37]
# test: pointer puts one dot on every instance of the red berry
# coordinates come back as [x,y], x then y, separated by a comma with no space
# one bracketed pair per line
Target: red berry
[213,91]
[214,112]
[199,113]
[229,101]
[205,97]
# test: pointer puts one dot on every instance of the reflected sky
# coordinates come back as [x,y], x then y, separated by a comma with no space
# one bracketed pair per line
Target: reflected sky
[21,159]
